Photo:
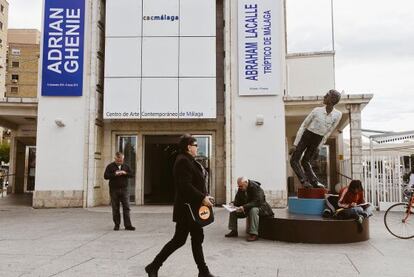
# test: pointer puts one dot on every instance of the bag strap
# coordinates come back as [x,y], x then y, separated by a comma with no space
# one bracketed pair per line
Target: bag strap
[191,211]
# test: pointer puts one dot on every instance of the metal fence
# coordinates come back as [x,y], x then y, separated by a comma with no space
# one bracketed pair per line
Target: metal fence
[382,177]
[345,172]
[4,181]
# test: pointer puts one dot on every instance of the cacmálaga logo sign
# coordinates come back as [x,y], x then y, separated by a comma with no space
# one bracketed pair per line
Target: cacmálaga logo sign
[163,17]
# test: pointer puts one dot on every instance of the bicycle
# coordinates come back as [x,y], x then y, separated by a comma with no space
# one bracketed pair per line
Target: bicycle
[399,218]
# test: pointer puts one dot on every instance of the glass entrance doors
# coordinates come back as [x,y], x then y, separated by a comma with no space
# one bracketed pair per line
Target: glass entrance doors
[128,145]
[160,154]
[204,155]
[30,168]
[154,167]
[321,166]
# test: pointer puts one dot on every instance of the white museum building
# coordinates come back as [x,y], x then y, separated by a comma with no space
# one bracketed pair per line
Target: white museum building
[132,76]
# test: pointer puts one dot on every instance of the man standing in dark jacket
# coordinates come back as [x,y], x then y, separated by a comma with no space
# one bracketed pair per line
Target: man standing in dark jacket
[118,173]
[251,202]
[190,187]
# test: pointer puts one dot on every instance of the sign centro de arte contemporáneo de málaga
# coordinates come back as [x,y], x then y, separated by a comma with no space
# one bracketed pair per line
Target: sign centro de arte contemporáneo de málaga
[63,47]
[259,47]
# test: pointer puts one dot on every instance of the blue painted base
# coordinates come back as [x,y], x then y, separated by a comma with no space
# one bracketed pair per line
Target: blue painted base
[306,206]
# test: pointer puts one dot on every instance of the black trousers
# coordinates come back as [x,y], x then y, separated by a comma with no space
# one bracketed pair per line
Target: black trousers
[308,144]
[182,229]
[120,196]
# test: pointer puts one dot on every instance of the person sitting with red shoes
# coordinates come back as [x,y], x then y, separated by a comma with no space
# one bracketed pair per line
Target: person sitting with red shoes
[351,199]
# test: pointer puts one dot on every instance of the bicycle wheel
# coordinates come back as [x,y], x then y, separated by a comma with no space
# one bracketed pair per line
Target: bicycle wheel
[399,221]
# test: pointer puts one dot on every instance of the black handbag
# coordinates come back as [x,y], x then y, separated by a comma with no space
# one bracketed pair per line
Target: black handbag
[203,216]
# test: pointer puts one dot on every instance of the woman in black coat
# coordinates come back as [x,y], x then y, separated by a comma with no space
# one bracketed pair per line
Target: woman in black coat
[190,186]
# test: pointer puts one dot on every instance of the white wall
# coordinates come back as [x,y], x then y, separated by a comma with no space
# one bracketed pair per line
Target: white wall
[148,60]
[256,151]
[310,75]
[60,150]
[259,151]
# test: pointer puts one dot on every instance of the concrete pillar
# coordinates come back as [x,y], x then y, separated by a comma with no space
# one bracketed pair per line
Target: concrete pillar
[19,177]
[12,162]
[62,161]
[93,175]
[356,141]
[256,150]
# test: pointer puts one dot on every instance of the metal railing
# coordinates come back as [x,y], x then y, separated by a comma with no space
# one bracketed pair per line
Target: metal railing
[4,182]
[344,176]
[381,177]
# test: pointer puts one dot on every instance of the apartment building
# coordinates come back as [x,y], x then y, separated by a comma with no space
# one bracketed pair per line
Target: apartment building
[4,19]
[22,63]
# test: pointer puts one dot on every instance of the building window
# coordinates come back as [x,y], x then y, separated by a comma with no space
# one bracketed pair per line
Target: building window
[15,78]
[1,25]
[2,9]
[15,52]
[14,90]
[15,64]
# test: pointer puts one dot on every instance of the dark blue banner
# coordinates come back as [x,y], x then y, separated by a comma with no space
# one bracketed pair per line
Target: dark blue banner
[63,48]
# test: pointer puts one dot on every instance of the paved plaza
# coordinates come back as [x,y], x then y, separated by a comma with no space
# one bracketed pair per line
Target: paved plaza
[81,242]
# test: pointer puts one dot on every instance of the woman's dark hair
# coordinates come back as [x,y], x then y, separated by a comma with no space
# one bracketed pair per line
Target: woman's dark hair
[355,185]
[185,140]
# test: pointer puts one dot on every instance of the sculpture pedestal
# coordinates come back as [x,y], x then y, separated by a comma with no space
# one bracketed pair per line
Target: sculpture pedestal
[303,222]
[314,193]
[306,206]
[290,227]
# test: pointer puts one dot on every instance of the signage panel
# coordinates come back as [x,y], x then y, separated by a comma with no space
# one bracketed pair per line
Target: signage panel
[169,67]
[259,47]
[122,16]
[161,18]
[63,48]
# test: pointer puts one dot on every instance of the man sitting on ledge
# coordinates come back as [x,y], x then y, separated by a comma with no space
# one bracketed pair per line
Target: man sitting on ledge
[251,203]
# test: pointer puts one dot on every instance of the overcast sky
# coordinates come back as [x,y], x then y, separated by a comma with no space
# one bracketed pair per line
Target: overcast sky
[374,43]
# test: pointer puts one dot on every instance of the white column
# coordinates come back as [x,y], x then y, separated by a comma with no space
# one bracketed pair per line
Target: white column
[61,164]
[12,161]
[256,151]
[356,141]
